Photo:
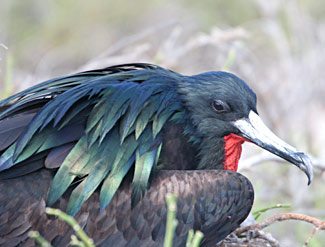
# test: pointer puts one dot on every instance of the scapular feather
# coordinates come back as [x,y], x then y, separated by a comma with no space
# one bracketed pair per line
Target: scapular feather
[96,125]
[6,159]
[112,183]
[57,155]
[143,166]
[160,120]
[136,106]
[105,157]
[110,108]
[64,177]
[10,129]
[22,169]
[146,114]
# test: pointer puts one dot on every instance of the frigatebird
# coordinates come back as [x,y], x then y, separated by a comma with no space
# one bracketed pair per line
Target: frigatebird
[107,146]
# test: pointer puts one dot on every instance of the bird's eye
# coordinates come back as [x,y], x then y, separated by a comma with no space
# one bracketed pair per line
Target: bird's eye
[220,106]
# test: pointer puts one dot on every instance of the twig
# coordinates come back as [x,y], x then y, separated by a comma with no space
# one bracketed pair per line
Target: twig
[73,223]
[256,232]
[267,157]
[267,237]
[197,239]
[190,236]
[171,224]
[127,42]
[258,212]
[4,46]
[39,239]
[76,242]
[316,229]
[282,217]
[258,159]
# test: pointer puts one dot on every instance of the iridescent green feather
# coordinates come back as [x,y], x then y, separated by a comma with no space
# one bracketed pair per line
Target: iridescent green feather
[143,166]
[109,109]
[6,159]
[106,155]
[146,115]
[123,111]
[136,106]
[112,183]
[64,177]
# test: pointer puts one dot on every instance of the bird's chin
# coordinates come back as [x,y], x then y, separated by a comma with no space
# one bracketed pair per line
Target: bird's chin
[254,130]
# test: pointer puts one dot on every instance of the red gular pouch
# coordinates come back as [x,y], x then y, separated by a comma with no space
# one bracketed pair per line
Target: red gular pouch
[233,148]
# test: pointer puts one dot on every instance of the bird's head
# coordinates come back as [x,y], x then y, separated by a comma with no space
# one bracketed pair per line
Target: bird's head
[222,106]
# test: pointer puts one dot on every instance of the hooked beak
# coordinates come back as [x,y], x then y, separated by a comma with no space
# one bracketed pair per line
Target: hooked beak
[254,130]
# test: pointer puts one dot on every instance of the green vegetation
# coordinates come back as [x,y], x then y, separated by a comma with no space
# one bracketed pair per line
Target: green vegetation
[193,239]
[80,239]
[257,213]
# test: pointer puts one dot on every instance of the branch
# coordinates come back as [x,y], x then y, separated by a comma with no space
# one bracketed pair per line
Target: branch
[171,223]
[73,223]
[264,156]
[259,212]
[4,46]
[267,237]
[319,224]
[256,228]
[39,239]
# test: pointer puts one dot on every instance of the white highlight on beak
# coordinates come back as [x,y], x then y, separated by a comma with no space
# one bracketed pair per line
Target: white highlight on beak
[255,130]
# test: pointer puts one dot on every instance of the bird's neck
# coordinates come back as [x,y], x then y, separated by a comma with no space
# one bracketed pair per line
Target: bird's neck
[221,153]
[212,153]
[184,149]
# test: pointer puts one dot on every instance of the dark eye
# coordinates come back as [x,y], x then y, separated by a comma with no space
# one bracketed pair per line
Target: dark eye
[220,106]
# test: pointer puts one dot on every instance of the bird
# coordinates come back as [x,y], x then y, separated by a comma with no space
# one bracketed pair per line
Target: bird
[108,145]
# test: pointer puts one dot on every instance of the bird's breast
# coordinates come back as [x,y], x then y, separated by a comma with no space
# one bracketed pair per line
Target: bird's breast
[177,153]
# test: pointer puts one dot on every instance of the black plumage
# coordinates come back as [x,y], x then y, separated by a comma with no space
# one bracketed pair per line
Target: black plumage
[108,145]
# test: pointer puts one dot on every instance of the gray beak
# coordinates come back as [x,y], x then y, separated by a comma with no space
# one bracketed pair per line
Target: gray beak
[254,130]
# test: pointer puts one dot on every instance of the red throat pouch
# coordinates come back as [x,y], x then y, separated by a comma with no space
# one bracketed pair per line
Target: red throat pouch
[233,148]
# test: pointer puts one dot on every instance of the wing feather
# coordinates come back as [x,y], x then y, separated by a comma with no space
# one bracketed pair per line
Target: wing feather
[95,125]
[57,155]
[10,129]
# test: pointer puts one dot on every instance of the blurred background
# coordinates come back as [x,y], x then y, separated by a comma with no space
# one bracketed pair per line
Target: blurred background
[278,47]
